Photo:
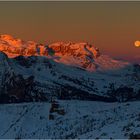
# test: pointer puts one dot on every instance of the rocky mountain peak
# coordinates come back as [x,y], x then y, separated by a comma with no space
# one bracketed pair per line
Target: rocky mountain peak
[82,54]
[16,46]
[75,49]
[76,54]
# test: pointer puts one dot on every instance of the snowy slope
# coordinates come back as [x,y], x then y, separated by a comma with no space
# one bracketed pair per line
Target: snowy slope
[82,119]
[40,78]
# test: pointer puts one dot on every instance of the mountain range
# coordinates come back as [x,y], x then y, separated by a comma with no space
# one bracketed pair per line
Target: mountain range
[66,90]
[35,72]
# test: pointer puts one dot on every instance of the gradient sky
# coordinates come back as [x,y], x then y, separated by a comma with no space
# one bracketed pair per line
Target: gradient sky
[111,26]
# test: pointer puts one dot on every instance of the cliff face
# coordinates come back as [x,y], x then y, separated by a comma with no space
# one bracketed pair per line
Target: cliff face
[9,44]
[75,49]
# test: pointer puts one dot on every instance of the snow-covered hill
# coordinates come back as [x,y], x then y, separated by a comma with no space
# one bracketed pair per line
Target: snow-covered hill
[80,119]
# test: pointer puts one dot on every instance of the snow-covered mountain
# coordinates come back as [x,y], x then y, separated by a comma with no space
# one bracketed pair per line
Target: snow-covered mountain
[82,55]
[36,72]
[66,78]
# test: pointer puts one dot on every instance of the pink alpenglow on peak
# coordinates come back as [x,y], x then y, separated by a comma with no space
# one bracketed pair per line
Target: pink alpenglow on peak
[82,55]
[76,54]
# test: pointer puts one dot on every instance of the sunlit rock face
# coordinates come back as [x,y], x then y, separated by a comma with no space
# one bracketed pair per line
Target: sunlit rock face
[14,47]
[9,44]
[76,54]
[75,49]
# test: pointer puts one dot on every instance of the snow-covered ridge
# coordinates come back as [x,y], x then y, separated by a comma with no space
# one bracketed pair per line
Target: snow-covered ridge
[38,78]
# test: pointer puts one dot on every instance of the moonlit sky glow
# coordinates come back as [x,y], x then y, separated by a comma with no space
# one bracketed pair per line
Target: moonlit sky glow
[113,27]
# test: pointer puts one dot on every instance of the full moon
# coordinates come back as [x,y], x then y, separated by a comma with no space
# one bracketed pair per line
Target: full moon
[137,43]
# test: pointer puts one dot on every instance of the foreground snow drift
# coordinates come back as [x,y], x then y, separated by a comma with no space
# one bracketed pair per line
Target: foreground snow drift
[79,119]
